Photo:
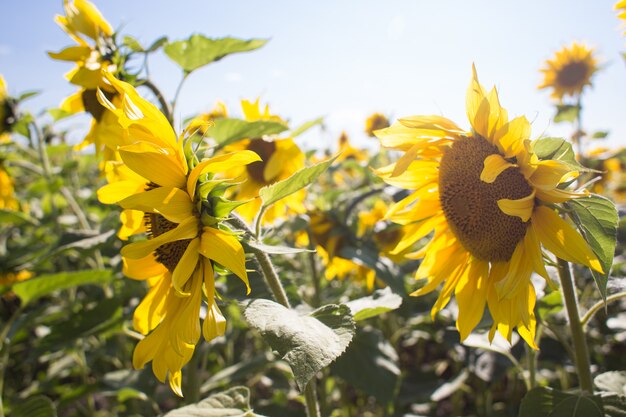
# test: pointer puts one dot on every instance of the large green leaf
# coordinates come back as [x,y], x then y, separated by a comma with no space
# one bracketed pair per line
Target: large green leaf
[234,402]
[35,406]
[614,381]
[295,182]
[198,50]
[557,149]
[42,285]
[378,303]
[307,342]
[370,364]
[597,219]
[227,131]
[547,402]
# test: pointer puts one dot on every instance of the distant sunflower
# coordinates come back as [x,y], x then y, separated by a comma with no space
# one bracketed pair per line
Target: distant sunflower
[570,71]
[279,159]
[489,201]
[620,6]
[184,211]
[350,159]
[375,122]
[7,191]
[7,112]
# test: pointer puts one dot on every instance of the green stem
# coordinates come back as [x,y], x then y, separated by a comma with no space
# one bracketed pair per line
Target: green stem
[317,294]
[176,94]
[257,222]
[581,351]
[596,307]
[273,281]
[4,349]
[193,377]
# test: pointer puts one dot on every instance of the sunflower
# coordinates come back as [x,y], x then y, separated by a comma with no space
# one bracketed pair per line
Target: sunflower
[7,112]
[385,236]
[620,6]
[490,203]
[279,159]
[375,122]
[7,191]
[569,71]
[184,211]
[350,159]
[83,22]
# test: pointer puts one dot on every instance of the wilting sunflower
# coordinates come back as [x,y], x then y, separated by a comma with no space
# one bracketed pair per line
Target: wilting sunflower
[279,159]
[570,71]
[184,211]
[490,202]
[375,122]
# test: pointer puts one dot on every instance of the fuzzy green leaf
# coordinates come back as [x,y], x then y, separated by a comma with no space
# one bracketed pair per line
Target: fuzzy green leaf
[234,402]
[133,44]
[557,149]
[307,342]
[597,219]
[157,44]
[227,131]
[42,285]
[198,50]
[35,406]
[294,183]
[547,402]
[613,381]
[378,303]
[306,126]
[566,113]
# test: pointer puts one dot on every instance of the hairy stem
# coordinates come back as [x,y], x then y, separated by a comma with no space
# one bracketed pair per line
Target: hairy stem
[581,352]
[597,306]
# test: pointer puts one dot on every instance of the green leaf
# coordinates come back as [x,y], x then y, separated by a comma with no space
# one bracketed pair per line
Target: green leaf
[275,250]
[306,126]
[28,94]
[600,134]
[198,50]
[566,113]
[370,364]
[597,219]
[234,402]
[385,269]
[307,342]
[614,381]
[378,303]
[16,218]
[35,406]
[133,44]
[548,402]
[227,131]
[557,149]
[157,44]
[42,285]
[295,182]
[550,304]
[59,114]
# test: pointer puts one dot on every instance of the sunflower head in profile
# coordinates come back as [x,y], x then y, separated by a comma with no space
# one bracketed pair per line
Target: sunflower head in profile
[183,208]
[7,112]
[375,122]
[569,71]
[490,204]
[279,158]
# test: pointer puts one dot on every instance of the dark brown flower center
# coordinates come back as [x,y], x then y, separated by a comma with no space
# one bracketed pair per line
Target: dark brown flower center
[573,74]
[168,254]
[265,150]
[92,105]
[470,205]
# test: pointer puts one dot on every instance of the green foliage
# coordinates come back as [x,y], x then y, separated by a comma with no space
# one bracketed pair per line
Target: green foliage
[547,402]
[35,406]
[306,126]
[597,219]
[274,250]
[132,44]
[566,113]
[34,288]
[198,50]
[550,303]
[300,179]
[16,218]
[557,149]
[227,131]
[307,342]
[381,301]
[234,402]
[370,364]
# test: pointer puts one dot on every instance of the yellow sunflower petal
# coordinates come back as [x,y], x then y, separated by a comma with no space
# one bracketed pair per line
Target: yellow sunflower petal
[151,311]
[522,208]
[172,203]
[561,239]
[219,163]
[225,249]
[471,295]
[186,267]
[214,323]
[142,268]
[510,138]
[154,163]
[185,230]
[494,165]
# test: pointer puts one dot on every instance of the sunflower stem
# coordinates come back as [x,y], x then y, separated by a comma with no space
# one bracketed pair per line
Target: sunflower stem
[581,352]
[596,307]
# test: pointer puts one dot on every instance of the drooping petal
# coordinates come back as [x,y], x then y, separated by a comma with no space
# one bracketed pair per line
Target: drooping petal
[219,163]
[186,267]
[151,311]
[155,164]
[225,249]
[494,165]
[142,268]
[471,295]
[185,230]
[172,203]
[522,208]
[561,239]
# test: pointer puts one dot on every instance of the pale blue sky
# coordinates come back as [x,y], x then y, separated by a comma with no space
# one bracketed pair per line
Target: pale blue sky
[346,59]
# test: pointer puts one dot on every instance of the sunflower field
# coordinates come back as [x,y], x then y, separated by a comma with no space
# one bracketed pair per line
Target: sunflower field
[231,262]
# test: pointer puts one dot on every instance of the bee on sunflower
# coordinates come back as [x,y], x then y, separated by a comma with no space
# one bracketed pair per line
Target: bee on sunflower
[491,204]
[570,71]
[183,207]
[279,158]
